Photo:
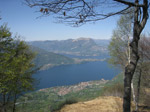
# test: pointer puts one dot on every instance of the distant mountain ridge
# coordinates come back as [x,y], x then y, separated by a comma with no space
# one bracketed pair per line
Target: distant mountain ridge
[102,42]
[77,47]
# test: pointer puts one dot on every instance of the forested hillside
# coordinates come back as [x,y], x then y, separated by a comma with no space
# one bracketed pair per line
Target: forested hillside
[46,59]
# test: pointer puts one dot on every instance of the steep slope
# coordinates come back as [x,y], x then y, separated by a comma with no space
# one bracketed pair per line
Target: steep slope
[78,47]
[46,59]
[54,98]
[101,104]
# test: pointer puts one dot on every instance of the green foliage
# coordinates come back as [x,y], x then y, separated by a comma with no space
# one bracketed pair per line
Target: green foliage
[16,68]
[60,104]
[114,90]
[117,52]
[5,56]
[22,67]
[114,87]
[118,47]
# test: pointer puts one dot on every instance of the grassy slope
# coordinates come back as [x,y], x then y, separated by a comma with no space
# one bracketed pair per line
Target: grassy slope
[101,104]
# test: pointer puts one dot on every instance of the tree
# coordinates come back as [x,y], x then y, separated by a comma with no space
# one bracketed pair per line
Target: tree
[79,12]
[23,69]
[119,52]
[119,44]
[16,69]
[142,69]
[5,46]
[119,49]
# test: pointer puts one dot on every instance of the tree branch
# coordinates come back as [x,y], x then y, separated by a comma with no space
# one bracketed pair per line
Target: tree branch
[112,14]
[145,15]
[79,11]
[129,3]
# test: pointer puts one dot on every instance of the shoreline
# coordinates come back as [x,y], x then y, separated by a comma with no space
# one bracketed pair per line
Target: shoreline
[76,61]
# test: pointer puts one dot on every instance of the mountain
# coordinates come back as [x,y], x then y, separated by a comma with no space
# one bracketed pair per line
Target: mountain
[47,59]
[77,47]
[102,42]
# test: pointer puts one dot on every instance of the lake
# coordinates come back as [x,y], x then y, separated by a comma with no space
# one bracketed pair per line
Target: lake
[73,74]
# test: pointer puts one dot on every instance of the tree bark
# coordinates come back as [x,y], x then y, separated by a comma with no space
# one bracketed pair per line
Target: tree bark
[4,103]
[129,71]
[138,89]
[138,26]
[133,93]
[130,68]
[14,105]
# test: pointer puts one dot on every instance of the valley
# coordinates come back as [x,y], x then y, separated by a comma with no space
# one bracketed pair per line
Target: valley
[78,72]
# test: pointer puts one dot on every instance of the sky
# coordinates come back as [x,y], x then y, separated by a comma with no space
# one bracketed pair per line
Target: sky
[22,20]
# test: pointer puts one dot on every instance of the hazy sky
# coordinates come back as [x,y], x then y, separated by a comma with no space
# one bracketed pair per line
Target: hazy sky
[23,20]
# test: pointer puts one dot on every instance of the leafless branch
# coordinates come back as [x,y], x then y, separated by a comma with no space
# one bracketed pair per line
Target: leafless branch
[129,3]
[144,47]
[78,12]
[145,15]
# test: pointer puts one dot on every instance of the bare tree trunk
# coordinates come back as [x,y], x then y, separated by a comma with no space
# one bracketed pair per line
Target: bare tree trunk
[130,68]
[129,60]
[4,104]
[138,90]
[14,105]
[3,109]
[129,71]
[133,92]
[138,26]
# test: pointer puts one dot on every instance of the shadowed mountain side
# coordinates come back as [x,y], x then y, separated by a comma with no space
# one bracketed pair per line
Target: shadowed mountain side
[49,59]
[45,59]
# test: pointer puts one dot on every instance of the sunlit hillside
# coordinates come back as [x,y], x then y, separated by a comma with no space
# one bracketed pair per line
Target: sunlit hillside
[101,104]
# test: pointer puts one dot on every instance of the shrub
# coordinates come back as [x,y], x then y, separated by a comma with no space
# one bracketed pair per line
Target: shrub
[58,105]
[114,90]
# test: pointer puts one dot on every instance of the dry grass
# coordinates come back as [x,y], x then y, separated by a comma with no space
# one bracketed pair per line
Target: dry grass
[102,104]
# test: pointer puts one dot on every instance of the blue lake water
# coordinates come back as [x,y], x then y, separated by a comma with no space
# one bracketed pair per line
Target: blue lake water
[73,74]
